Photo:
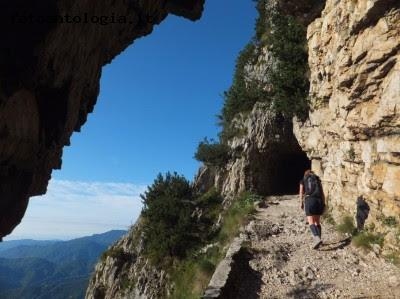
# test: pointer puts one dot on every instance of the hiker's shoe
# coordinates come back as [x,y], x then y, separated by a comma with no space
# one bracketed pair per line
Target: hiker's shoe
[317,243]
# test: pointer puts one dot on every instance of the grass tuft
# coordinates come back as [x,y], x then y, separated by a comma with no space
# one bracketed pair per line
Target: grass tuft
[366,239]
[393,257]
[191,276]
[346,226]
[389,221]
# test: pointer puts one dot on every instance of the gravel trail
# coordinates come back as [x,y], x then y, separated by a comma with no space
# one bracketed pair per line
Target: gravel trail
[280,242]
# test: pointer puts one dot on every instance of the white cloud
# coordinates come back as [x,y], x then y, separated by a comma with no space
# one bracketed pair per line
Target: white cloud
[73,208]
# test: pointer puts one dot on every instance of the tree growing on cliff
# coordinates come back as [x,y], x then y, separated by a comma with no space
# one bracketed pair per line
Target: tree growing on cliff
[212,153]
[290,85]
[168,227]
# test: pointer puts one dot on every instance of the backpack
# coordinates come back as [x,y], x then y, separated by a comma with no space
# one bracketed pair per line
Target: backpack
[312,186]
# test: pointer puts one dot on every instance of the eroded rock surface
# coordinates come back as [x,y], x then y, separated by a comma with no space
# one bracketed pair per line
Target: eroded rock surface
[353,131]
[261,157]
[123,272]
[49,81]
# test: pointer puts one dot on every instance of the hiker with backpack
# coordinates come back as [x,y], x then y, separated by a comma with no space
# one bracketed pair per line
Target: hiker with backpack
[313,202]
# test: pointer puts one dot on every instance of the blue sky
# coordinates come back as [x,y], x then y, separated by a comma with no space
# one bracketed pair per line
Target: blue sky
[158,99]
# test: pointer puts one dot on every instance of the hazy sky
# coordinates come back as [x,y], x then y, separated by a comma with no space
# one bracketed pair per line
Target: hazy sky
[158,99]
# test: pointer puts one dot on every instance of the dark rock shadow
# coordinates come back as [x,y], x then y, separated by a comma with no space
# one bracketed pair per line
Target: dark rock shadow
[262,205]
[362,212]
[243,281]
[335,245]
[306,292]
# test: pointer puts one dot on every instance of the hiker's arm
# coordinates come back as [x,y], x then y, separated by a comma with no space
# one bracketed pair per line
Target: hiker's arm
[301,196]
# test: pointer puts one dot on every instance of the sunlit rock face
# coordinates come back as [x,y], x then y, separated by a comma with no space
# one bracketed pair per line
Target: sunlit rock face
[125,272]
[353,131]
[51,56]
[265,158]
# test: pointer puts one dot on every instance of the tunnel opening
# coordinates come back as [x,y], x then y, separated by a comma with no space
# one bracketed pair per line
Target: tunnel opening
[287,170]
[279,171]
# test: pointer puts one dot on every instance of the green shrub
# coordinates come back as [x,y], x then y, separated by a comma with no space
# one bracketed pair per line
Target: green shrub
[389,221]
[207,266]
[212,153]
[243,94]
[210,204]
[261,22]
[397,236]
[190,279]
[236,216]
[365,239]
[191,276]
[167,226]
[115,252]
[290,85]
[230,131]
[346,226]
[393,257]
[126,283]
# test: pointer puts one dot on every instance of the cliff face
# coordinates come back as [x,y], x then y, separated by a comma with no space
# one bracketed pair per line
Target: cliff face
[123,272]
[262,155]
[353,132]
[49,81]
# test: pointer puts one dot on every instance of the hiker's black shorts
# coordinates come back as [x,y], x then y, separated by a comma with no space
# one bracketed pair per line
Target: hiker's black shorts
[313,206]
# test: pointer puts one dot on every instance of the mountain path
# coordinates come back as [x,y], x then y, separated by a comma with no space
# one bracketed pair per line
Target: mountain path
[280,242]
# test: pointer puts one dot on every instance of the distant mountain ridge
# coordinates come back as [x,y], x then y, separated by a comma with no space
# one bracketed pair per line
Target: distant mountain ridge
[50,269]
[24,242]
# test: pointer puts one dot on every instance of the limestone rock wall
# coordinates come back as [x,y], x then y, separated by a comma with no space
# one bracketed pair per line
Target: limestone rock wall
[353,131]
[261,156]
[123,272]
[49,81]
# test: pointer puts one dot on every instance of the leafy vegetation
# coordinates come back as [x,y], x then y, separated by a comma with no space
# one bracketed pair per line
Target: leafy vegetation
[236,216]
[365,239]
[389,221]
[393,257]
[346,225]
[168,227]
[287,86]
[115,252]
[261,22]
[243,93]
[212,153]
[287,43]
[192,275]
[178,223]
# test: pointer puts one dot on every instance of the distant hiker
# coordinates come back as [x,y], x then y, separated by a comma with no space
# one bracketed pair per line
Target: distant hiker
[362,212]
[313,202]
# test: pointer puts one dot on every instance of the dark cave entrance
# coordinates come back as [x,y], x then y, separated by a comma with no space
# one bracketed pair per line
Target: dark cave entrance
[280,171]
[287,169]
